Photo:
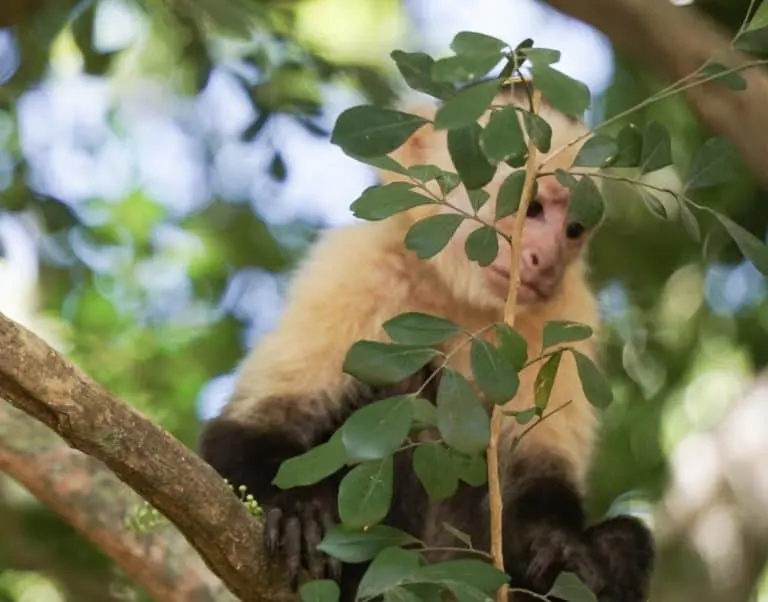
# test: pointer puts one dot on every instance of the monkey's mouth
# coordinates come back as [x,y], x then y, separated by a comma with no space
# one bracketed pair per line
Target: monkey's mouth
[529,291]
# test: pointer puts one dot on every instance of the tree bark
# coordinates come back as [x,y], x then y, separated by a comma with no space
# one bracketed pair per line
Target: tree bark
[674,42]
[40,382]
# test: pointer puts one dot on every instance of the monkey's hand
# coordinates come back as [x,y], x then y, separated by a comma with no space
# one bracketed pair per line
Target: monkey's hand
[542,552]
[296,521]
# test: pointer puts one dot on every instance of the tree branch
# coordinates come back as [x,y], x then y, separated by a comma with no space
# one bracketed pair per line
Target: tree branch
[41,383]
[675,42]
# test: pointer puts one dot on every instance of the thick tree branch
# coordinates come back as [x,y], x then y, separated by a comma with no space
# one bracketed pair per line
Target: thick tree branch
[675,42]
[95,503]
[40,382]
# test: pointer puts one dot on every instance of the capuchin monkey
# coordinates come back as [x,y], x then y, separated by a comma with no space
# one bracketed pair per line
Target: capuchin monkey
[292,393]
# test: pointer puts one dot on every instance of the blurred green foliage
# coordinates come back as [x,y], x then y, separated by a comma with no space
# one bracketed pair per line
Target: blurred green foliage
[663,332]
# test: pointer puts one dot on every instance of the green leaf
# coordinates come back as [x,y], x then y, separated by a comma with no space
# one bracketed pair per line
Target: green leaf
[380,202]
[478,198]
[471,469]
[390,567]
[404,594]
[564,93]
[463,68]
[564,331]
[474,573]
[510,193]
[428,236]
[425,173]
[569,588]
[503,136]
[630,143]
[545,380]
[523,416]
[312,466]
[751,246]
[378,429]
[593,382]
[466,593]
[461,418]
[365,493]
[714,164]
[539,131]
[655,206]
[354,545]
[415,328]
[482,245]
[493,372]
[470,42]
[599,151]
[416,69]
[433,465]
[448,181]
[733,81]
[379,364]
[690,223]
[458,534]
[759,19]
[657,148]
[468,158]
[371,131]
[384,162]
[324,590]
[424,412]
[512,345]
[587,205]
[467,106]
[541,56]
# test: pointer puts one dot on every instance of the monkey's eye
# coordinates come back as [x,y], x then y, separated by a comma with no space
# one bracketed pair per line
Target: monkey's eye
[574,230]
[535,209]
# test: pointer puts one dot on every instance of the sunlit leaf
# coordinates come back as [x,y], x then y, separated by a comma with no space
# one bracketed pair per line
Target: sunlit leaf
[657,148]
[371,131]
[415,328]
[474,573]
[388,569]
[759,19]
[569,588]
[433,465]
[463,68]
[593,382]
[564,331]
[355,545]
[503,138]
[541,56]
[377,429]
[472,42]
[468,158]
[380,202]
[482,245]
[377,363]
[416,69]
[690,223]
[458,534]
[751,246]
[324,590]
[312,466]
[494,373]
[539,131]
[714,163]
[599,151]
[655,206]
[545,380]
[564,93]
[461,419]
[467,106]
[428,236]
[365,493]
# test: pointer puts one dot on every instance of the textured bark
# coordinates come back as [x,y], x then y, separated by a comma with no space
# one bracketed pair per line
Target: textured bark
[41,383]
[674,42]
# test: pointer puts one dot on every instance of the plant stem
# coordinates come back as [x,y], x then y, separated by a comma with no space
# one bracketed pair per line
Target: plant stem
[497,415]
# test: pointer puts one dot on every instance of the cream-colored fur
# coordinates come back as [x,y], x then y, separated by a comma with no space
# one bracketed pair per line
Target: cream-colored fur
[359,276]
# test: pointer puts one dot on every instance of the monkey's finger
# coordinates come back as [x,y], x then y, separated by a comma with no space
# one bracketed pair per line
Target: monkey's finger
[273,529]
[312,537]
[292,549]
[326,520]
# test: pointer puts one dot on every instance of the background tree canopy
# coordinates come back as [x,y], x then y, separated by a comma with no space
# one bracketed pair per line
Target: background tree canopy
[164,164]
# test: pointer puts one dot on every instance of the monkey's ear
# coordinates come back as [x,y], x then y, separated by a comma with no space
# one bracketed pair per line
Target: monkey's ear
[418,148]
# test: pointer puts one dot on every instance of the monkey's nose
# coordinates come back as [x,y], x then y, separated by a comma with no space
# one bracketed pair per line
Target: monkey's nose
[530,258]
